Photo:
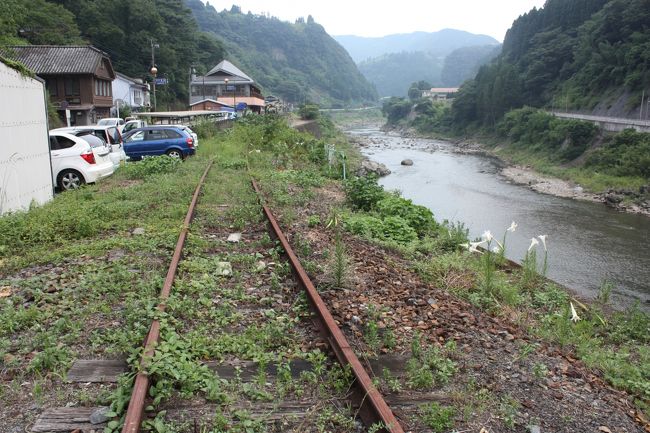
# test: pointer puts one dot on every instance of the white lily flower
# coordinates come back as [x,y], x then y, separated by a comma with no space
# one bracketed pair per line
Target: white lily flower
[574,314]
[513,226]
[496,249]
[533,242]
[472,246]
[488,236]
[543,239]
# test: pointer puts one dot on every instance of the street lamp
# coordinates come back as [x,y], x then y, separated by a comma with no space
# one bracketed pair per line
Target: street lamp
[154,71]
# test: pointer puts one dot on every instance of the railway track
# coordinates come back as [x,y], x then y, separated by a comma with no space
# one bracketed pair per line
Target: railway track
[232,330]
[242,342]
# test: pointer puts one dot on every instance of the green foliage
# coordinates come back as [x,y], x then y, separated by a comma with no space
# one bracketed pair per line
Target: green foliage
[463,63]
[408,66]
[624,154]
[363,193]
[298,62]
[309,111]
[566,54]
[419,218]
[558,139]
[150,166]
[37,22]
[438,418]
[396,109]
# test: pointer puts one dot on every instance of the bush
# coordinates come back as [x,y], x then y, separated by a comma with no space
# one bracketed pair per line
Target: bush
[205,129]
[363,193]
[625,154]
[418,217]
[397,229]
[364,225]
[150,166]
[309,111]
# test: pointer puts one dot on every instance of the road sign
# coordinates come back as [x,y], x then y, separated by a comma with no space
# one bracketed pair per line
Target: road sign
[161,81]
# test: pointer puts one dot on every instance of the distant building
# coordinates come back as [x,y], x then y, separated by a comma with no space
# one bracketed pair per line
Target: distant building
[225,85]
[440,93]
[210,105]
[77,78]
[131,92]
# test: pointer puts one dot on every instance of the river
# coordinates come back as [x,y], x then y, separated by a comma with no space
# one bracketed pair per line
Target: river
[588,243]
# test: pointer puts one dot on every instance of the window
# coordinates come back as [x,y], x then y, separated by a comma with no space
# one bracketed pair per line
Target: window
[51,85]
[71,86]
[172,134]
[156,134]
[59,142]
[197,91]
[137,136]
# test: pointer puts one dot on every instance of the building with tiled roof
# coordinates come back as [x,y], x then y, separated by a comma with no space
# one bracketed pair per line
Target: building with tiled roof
[225,85]
[78,78]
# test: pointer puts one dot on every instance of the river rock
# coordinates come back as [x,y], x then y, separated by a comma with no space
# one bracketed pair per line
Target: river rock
[407,162]
[372,167]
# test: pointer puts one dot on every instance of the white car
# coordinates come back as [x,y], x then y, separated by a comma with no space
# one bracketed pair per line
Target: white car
[133,124]
[112,121]
[192,133]
[110,135]
[75,161]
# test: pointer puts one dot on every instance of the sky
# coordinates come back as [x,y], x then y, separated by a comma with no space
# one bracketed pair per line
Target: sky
[379,18]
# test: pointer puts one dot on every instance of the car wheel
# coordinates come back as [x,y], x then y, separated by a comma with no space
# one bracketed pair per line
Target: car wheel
[175,153]
[70,179]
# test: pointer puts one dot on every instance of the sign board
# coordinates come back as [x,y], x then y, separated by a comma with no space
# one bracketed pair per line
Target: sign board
[230,87]
[161,81]
[241,106]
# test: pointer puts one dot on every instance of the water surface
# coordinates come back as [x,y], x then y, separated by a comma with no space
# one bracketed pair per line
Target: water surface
[588,243]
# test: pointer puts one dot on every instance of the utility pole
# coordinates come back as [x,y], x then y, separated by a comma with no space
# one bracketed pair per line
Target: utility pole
[154,70]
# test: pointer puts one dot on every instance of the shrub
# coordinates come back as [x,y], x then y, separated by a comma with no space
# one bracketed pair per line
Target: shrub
[364,192]
[364,225]
[309,111]
[438,418]
[151,165]
[398,229]
[418,217]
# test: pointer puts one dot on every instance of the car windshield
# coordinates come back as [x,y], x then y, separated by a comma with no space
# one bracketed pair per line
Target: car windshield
[105,122]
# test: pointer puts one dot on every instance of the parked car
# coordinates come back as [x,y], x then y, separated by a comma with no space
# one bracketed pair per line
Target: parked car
[110,134]
[76,161]
[158,140]
[112,121]
[133,124]
[192,133]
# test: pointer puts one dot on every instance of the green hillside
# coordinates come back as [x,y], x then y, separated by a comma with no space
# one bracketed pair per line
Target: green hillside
[122,28]
[588,55]
[298,61]
[392,74]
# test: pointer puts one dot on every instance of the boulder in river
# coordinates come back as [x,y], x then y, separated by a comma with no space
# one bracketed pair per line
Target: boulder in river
[372,167]
[407,162]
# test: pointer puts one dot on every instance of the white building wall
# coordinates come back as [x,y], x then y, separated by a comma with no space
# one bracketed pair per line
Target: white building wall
[122,90]
[25,169]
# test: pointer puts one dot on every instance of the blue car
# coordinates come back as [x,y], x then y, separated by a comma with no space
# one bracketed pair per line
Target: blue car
[158,140]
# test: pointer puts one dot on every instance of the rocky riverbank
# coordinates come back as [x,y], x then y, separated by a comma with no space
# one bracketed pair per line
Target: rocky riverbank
[623,200]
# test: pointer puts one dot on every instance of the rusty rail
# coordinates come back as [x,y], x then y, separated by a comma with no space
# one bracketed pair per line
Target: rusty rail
[373,407]
[135,410]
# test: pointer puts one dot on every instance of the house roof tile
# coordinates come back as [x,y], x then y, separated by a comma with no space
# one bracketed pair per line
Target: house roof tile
[58,59]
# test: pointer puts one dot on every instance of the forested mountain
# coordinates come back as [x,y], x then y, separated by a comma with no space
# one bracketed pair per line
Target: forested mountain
[392,62]
[438,43]
[298,61]
[463,63]
[125,30]
[393,73]
[575,54]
